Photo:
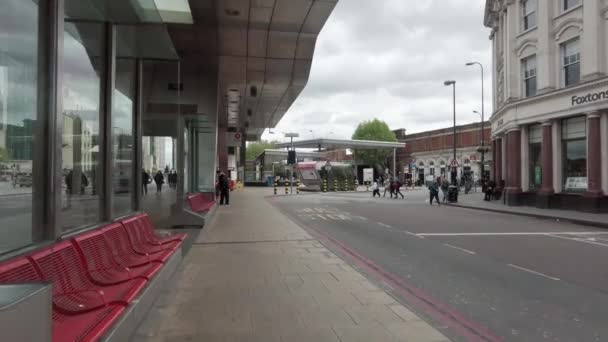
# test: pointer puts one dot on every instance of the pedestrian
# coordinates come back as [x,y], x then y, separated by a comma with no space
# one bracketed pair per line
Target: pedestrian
[445,187]
[159,179]
[145,180]
[376,189]
[489,193]
[434,191]
[224,187]
[397,189]
[388,185]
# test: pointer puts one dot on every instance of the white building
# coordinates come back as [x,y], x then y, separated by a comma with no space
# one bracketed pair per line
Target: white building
[550,123]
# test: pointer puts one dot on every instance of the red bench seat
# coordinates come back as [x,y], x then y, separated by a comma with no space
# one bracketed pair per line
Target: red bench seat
[88,326]
[200,203]
[133,254]
[103,267]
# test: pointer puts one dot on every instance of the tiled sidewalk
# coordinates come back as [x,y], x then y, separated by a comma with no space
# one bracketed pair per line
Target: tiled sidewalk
[475,201]
[256,276]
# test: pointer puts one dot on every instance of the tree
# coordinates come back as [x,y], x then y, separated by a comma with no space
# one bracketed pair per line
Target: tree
[376,130]
[254,149]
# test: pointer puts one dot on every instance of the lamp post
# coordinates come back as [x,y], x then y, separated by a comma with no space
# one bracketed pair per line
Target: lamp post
[483,150]
[453,84]
[291,135]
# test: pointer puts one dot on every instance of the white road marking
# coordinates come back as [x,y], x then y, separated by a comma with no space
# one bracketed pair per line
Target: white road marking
[532,271]
[361,218]
[321,216]
[459,248]
[511,234]
[579,240]
[413,234]
[384,225]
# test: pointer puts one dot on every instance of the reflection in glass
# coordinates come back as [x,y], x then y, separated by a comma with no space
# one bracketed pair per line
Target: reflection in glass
[122,136]
[82,66]
[18,108]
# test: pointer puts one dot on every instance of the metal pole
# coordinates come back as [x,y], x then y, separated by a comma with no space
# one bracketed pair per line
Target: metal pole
[483,138]
[291,171]
[394,162]
[454,181]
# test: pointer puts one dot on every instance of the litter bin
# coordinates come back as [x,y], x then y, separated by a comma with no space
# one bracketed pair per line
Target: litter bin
[453,194]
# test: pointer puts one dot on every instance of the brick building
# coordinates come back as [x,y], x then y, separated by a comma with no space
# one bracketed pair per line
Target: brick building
[430,153]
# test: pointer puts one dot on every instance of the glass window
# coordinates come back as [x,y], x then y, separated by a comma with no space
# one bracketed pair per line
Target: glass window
[529,9]
[122,136]
[574,154]
[82,67]
[569,4]
[534,151]
[571,58]
[529,76]
[18,112]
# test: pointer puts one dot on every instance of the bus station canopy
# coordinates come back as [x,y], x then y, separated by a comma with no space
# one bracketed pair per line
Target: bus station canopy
[336,144]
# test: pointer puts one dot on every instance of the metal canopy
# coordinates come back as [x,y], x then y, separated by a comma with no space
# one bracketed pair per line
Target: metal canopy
[343,144]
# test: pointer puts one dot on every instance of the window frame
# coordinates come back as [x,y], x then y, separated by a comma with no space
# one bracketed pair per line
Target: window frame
[566,65]
[566,7]
[529,75]
[529,12]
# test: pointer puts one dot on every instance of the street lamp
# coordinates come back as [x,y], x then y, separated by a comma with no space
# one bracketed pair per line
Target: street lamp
[453,84]
[483,152]
[291,135]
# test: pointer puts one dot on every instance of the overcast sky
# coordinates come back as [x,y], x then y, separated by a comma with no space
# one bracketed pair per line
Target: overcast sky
[388,59]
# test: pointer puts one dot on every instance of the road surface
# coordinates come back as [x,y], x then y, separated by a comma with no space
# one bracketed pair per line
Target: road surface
[501,277]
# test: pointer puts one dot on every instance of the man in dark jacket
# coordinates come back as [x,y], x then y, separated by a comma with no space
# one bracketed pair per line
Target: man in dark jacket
[434,191]
[159,179]
[145,180]
[224,187]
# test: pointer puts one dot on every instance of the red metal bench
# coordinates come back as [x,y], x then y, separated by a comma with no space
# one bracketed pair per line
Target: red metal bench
[200,203]
[73,290]
[132,252]
[149,227]
[87,326]
[142,236]
[103,267]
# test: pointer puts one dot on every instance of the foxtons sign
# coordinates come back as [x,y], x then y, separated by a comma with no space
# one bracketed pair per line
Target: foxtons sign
[590,98]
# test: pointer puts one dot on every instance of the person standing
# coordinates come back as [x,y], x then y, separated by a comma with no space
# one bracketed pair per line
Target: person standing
[145,180]
[397,189]
[434,191]
[159,179]
[388,185]
[224,187]
[445,187]
[376,189]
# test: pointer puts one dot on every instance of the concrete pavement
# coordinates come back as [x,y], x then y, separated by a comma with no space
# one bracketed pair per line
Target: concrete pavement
[254,275]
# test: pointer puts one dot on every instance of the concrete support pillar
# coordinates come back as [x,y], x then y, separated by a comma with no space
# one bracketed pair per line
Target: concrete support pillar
[494,159]
[524,157]
[547,159]
[222,149]
[514,165]
[556,136]
[594,156]
[498,163]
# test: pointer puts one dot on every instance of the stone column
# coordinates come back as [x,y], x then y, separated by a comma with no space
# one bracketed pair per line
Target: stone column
[594,156]
[494,159]
[498,163]
[514,165]
[547,159]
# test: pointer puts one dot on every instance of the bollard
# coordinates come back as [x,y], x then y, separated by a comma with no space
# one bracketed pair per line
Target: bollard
[286,188]
[276,184]
[335,185]
[324,185]
[298,186]
[346,188]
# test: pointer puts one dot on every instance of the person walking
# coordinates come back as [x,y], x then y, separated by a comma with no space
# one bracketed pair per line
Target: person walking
[376,189]
[159,179]
[434,191]
[145,180]
[224,187]
[388,185]
[445,187]
[397,189]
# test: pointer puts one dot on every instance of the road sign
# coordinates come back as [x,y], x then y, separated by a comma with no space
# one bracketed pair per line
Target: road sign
[454,163]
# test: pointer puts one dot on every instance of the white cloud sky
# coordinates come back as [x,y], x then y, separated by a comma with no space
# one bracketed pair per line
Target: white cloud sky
[388,60]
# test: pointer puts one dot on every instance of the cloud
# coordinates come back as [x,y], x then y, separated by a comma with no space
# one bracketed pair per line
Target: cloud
[388,59]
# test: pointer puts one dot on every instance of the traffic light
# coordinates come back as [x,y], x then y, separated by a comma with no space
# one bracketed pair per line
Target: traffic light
[291,157]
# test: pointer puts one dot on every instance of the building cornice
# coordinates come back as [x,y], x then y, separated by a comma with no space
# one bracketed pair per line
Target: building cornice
[573,22]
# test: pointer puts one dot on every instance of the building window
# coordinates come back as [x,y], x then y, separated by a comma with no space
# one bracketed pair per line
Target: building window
[535,138]
[574,154]
[432,168]
[18,118]
[568,4]
[82,67]
[529,11]
[529,67]
[571,58]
